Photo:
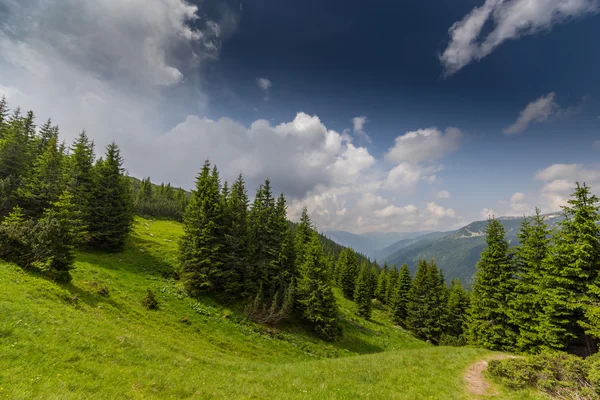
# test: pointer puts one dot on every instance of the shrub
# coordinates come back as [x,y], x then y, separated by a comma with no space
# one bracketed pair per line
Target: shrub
[560,375]
[150,302]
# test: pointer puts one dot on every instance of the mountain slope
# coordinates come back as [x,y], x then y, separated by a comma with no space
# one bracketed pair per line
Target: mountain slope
[93,339]
[457,252]
[370,244]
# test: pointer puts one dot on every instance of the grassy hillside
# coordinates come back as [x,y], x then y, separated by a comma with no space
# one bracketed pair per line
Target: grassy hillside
[93,339]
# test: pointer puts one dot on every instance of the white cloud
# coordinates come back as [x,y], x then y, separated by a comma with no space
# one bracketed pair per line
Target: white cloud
[424,145]
[559,183]
[443,194]
[264,84]
[536,111]
[488,213]
[131,71]
[510,20]
[358,124]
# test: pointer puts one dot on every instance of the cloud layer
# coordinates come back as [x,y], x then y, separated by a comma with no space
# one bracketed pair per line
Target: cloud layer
[536,111]
[510,20]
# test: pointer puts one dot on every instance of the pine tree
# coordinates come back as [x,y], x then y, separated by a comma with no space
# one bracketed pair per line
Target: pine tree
[304,231]
[237,235]
[401,295]
[458,304]
[362,293]
[374,274]
[525,305]
[348,268]
[315,295]
[111,206]
[426,309]
[382,280]
[45,181]
[202,245]
[489,324]
[390,288]
[55,237]
[569,269]
[81,175]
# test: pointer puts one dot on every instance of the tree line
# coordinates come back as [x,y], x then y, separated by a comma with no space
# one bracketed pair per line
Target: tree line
[55,198]
[543,295]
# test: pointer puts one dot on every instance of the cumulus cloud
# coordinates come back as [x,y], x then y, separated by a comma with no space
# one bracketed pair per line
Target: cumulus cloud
[559,182]
[509,20]
[443,194]
[487,213]
[122,70]
[424,145]
[265,85]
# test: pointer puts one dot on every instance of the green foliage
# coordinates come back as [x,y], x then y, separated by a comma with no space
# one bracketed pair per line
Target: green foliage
[315,296]
[426,311]
[391,283]
[111,207]
[348,269]
[362,293]
[382,284]
[569,269]
[489,323]
[525,304]
[81,175]
[202,247]
[458,304]
[402,296]
[560,375]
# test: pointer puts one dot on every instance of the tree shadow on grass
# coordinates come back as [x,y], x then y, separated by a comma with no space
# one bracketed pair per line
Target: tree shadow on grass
[136,257]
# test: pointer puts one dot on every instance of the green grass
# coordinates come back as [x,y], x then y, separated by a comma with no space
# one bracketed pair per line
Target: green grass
[73,342]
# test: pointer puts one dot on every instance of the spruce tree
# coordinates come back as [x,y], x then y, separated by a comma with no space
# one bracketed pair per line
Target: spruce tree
[401,295]
[362,293]
[425,308]
[391,283]
[382,280]
[489,323]
[237,235]
[45,181]
[525,305]
[111,206]
[201,247]
[81,175]
[458,305]
[303,236]
[569,269]
[348,270]
[315,295]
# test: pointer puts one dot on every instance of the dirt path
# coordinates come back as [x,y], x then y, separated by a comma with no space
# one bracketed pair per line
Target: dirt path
[476,383]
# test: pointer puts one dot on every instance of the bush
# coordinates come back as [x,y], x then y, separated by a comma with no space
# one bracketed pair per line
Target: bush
[560,375]
[150,302]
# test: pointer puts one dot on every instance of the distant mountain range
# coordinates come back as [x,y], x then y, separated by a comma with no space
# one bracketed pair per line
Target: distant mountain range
[456,252]
[371,244]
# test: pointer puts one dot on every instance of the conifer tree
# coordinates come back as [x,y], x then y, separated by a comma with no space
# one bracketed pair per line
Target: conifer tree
[391,283]
[458,304]
[362,293]
[570,268]
[426,309]
[382,280]
[303,236]
[237,235]
[525,305]
[348,270]
[489,323]
[401,295]
[111,207]
[202,245]
[374,274]
[81,175]
[315,295]
[45,181]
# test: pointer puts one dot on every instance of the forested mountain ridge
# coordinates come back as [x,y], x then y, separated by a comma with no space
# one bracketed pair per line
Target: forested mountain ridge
[457,252]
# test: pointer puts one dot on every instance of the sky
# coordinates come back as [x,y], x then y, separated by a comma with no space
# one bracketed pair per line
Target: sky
[379,116]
